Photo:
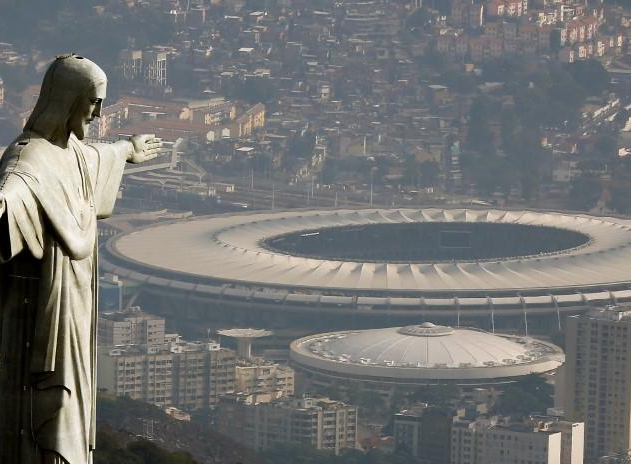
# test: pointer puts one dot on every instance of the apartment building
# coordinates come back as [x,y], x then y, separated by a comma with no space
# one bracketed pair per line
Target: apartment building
[572,438]
[202,373]
[142,373]
[130,327]
[253,118]
[491,440]
[187,375]
[256,375]
[425,431]
[318,422]
[598,379]
[148,66]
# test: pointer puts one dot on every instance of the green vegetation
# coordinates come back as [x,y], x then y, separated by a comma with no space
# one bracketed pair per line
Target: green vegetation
[187,442]
[585,191]
[618,198]
[529,395]
[303,454]
[110,451]
[550,96]
[590,75]
[253,90]
[436,395]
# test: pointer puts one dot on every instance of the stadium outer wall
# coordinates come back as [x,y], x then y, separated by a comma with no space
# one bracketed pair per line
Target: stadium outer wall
[214,300]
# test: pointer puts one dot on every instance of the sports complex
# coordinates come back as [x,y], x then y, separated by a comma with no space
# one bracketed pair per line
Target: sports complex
[336,269]
[421,355]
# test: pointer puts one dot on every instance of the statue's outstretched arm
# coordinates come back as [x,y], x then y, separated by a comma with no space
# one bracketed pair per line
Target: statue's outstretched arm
[108,164]
[137,149]
[146,147]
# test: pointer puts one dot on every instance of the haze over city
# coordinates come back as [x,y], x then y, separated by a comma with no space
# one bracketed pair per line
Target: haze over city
[368,232]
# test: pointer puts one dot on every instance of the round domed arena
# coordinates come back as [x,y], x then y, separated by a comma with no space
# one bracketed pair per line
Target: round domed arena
[422,354]
[334,269]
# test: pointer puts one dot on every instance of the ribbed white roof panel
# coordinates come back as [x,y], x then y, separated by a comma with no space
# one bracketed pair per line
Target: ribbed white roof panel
[229,249]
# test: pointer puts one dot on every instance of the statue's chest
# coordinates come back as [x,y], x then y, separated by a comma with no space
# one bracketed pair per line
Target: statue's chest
[74,181]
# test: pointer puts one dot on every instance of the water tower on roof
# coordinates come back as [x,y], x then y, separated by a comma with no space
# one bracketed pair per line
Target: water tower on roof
[244,338]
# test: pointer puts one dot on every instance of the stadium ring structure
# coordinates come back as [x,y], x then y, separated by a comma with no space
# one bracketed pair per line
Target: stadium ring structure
[422,354]
[334,269]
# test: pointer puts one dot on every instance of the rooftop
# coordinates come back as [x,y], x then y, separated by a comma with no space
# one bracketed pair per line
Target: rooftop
[426,350]
[236,246]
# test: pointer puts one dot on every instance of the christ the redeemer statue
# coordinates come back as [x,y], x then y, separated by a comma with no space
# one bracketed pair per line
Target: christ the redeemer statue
[53,188]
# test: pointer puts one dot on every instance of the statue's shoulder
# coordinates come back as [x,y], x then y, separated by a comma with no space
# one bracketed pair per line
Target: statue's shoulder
[24,150]
[26,145]
[24,158]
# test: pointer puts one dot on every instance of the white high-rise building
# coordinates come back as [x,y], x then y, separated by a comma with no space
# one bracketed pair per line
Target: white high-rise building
[496,440]
[149,66]
[598,379]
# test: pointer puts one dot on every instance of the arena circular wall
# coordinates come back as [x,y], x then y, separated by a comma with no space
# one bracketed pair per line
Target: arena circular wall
[422,354]
[331,268]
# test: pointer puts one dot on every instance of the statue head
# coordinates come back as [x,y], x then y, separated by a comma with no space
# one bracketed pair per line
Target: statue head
[71,96]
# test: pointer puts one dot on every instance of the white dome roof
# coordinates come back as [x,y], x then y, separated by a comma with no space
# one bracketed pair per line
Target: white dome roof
[426,351]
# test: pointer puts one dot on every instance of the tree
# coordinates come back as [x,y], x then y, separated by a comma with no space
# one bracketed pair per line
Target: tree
[619,187]
[555,40]
[109,450]
[151,454]
[590,75]
[303,454]
[607,147]
[301,145]
[443,6]
[479,136]
[430,171]
[530,395]
[585,191]
[622,117]
[297,454]
[418,18]
[369,401]
[459,82]
[436,395]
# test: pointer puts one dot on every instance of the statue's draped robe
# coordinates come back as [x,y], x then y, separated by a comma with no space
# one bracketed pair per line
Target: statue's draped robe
[48,271]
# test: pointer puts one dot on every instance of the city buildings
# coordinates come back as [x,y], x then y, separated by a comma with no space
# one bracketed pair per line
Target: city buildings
[498,440]
[186,375]
[598,379]
[317,422]
[148,66]
[137,359]
[202,373]
[572,437]
[425,431]
[130,327]
[466,434]
[257,375]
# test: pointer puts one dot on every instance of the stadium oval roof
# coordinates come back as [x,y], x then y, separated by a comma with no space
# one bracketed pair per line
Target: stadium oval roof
[229,250]
[425,352]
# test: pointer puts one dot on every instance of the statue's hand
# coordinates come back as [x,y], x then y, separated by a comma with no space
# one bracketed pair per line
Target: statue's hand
[146,147]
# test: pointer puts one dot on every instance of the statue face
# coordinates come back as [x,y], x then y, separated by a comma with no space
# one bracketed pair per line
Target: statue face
[85,110]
